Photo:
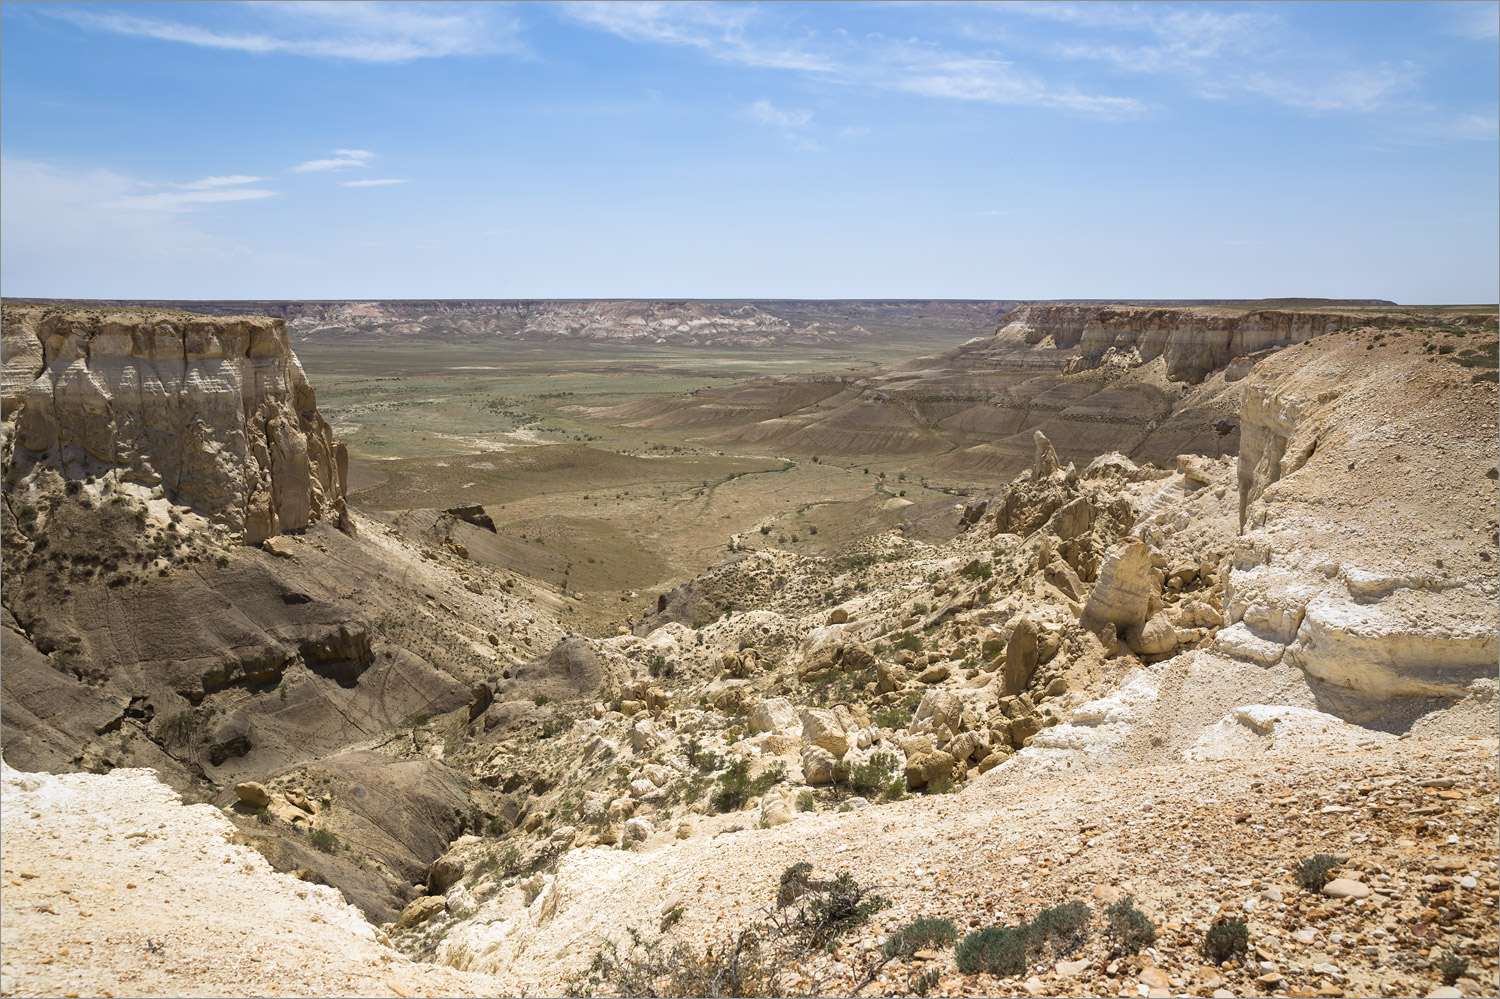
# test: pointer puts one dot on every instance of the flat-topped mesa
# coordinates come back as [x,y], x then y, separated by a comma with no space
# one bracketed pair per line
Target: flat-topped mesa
[214,415]
[1193,342]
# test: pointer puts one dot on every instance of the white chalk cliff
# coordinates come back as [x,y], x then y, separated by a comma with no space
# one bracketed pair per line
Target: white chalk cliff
[212,414]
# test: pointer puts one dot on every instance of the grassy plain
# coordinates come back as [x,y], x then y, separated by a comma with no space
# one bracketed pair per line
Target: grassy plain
[604,510]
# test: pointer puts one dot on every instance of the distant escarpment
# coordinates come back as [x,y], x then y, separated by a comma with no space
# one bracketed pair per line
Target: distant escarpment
[212,415]
[1193,342]
[679,322]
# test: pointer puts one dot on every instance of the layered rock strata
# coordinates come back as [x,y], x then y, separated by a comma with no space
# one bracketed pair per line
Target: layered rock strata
[214,415]
[1192,341]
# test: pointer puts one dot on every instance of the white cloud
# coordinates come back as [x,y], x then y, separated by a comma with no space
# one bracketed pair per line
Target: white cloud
[1366,89]
[993,213]
[229,181]
[372,183]
[1474,19]
[387,32]
[742,34]
[766,113]
[344,158]
[99,234]
[189,200]
[722,30]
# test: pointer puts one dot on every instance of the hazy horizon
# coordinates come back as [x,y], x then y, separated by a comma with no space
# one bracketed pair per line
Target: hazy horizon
[745,151]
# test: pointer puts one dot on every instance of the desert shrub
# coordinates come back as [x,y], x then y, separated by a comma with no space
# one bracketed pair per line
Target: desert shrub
[324,840]
[1452,968]
[894,717]
[1129,929]
[922,934]
[540,699]
[805,801]
[910,643]
[736,786]
[869,778]
[830,910]
[996,950]
[553,726]
[263,815]
[1064,926]
[1311,874]
[1228,938]
[793,883]
[672,917]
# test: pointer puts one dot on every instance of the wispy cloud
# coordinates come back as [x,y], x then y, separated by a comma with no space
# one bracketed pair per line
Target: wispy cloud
[792,123]
[1208,45]
[342,160]
[748,35]
[229,181]
[1366,89]
[730,32]
[99,233]
[1473,19]
[388,32]
[372,183]
[981,214]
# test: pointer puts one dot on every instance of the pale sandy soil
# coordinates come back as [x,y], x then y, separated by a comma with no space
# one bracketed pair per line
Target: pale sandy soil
[113,888]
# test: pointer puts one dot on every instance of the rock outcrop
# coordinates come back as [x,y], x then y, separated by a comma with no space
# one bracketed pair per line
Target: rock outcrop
[1193,341]
[212,415]
[1367,552]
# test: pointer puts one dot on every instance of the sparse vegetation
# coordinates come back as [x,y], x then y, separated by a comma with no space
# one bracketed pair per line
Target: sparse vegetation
[1228,939]
[1312,873]
[1129,930]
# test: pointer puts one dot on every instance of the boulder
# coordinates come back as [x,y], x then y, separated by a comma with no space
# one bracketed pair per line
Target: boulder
[1024,728]
[637,831]
[925,768]
[1154,638]
[838,616]
[774,715]
[821,728]
[420,911]
[890,677]
[1021,655]
[443,873]
[777,809]
[817,765]
[968,745]
[643,736]
[936,673]
[253,794]
[1128,591]
[940,715]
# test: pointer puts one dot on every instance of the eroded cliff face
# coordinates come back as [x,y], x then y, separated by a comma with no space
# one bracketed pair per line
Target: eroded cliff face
[1368,538]
[213,415]
[1192,341]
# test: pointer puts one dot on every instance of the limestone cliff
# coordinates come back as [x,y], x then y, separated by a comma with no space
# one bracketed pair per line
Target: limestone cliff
[213,415]
[1192,341]
[1368,543]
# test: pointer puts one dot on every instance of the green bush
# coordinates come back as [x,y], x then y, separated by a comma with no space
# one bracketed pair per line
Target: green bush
[805,801]
[910,643]
[1226,940]
[1064,926]
[997,950]
[922,934]
[1312,873]
[324,840]
[793,884]
[1452,967]
[1130,930]
[869,778]
[737,787]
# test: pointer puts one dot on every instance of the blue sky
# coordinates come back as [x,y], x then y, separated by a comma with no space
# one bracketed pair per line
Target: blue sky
[1014,150]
